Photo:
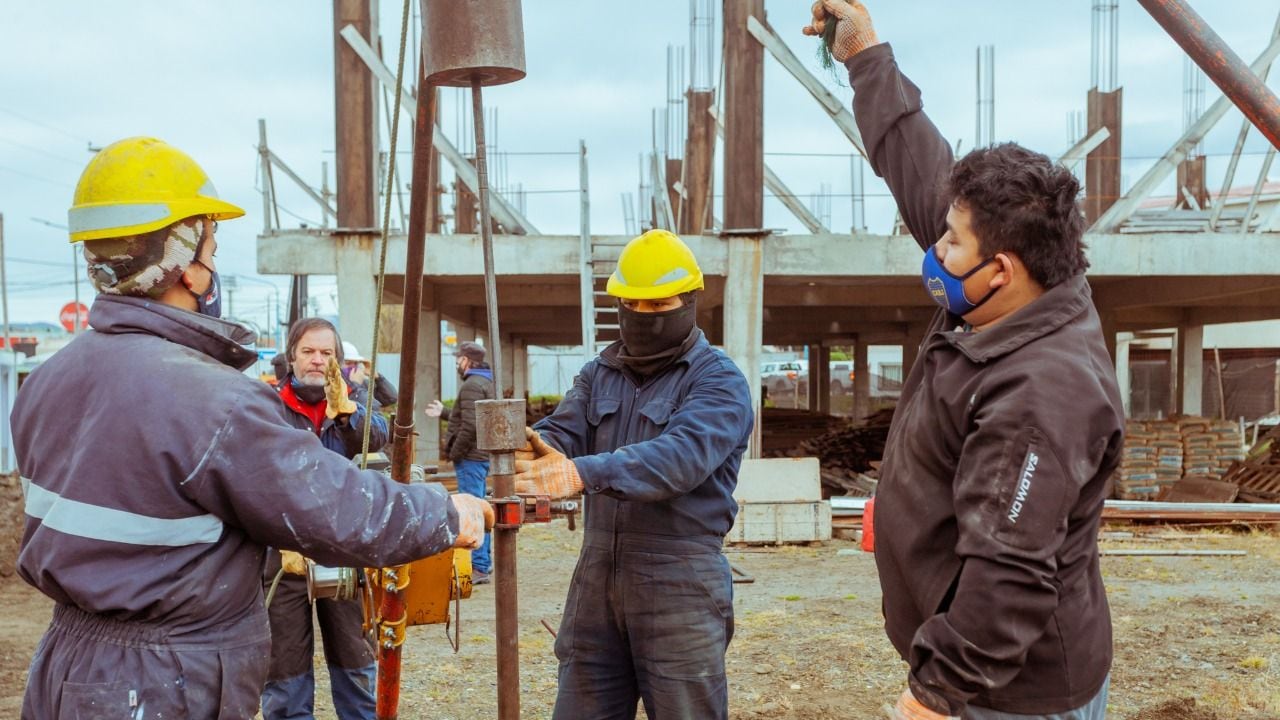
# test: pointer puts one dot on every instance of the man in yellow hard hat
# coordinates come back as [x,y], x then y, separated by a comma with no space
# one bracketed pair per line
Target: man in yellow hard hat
[652,433]
[156,472]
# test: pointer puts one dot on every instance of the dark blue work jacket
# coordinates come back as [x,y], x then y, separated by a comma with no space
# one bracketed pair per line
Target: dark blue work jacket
[661,457]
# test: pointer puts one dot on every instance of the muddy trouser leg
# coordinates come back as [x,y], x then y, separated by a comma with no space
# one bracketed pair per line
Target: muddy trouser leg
[1095,709]
[88,666]
[597,679]
[289,693]
[349,657]
[679,616]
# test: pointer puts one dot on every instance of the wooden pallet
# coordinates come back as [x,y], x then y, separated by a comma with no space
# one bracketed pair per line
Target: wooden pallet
[1255,481]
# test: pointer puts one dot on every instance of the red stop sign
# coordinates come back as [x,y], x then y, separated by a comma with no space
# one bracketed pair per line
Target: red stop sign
[73,314]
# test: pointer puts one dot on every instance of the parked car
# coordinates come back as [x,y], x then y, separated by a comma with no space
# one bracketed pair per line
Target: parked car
[841,377]
[782,377]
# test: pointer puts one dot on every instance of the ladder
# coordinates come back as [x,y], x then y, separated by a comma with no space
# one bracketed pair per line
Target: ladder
[604,258]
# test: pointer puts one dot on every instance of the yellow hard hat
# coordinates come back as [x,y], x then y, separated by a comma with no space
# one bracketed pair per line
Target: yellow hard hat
[138,185]
[655,265]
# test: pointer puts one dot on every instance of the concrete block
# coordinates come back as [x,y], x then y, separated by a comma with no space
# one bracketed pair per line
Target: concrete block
[779,480]
[781,522]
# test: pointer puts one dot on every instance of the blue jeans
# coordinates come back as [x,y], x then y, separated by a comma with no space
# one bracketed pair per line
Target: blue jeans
[471,479]
[1095,709]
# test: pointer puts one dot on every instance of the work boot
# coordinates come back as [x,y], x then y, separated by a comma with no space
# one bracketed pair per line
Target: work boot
[479,578]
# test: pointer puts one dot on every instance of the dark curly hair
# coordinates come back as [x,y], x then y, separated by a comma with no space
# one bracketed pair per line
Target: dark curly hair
[1023,203]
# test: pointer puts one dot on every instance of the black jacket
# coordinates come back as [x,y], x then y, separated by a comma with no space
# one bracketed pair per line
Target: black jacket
[460,442]
[995,468]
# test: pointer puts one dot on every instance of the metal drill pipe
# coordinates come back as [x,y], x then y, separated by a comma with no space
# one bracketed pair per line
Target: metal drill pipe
[1245,89]
[388,687]
[506,603]
[486,238]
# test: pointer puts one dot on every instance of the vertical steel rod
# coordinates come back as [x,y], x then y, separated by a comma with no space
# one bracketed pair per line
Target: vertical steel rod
[506,604]
[1220,63]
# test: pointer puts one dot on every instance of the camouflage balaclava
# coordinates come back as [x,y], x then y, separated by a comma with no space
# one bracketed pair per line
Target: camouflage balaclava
[143,265]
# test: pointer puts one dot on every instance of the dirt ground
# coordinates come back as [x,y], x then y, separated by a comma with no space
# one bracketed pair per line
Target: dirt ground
[1197,638]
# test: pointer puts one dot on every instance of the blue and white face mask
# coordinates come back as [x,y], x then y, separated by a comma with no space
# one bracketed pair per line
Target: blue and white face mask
[210,302]
[947,289]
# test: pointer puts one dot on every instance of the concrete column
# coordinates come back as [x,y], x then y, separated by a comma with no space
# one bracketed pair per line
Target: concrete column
[357,290]
[861,379]
[911,346]
[426,449]
[744,316]
[815,377]
[1124,378]
[508,365]
[519,368]
[1190,369]
[823,380]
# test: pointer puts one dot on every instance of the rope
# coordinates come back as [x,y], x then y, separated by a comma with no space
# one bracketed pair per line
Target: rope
[386,221]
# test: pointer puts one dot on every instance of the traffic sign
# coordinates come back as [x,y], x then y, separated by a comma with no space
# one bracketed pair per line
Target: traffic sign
[69,317]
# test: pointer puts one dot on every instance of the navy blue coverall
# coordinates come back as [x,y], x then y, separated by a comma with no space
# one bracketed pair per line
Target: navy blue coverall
[649,614]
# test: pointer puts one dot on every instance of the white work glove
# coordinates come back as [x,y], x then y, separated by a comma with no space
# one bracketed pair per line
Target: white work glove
[434,409]
[854,31]
[475,516]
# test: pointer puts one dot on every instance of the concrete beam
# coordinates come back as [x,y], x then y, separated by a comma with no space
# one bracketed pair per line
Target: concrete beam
[1148,291]
[796,257]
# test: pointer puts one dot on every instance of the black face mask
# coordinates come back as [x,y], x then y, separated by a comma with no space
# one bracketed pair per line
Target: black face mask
[310,394]
[648,334]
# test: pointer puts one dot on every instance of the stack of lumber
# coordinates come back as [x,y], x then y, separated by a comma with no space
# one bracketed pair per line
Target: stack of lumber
[849,455]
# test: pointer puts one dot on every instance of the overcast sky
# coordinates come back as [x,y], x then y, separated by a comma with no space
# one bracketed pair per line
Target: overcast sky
[83,73]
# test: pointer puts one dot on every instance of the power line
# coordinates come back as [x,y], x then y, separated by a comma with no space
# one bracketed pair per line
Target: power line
[46,126]
[46,153]
[34,177]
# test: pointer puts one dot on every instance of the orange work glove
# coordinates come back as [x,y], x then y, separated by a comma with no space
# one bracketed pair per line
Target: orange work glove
[548,473]
[475,516]
[338,400]
[909,708]
[854,31]
[293,563]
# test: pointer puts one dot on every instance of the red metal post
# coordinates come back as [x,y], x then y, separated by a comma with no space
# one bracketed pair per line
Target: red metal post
[421,190]
[1245,89]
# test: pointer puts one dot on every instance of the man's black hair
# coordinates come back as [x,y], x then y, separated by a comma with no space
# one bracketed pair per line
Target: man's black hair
[1023,203]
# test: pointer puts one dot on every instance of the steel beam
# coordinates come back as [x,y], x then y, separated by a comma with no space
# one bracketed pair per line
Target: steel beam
[1238,82]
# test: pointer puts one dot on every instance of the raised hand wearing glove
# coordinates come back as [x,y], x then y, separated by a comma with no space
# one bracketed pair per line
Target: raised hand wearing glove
[548,473]
[854,31]
[909,708]
[337,397]
[434,409]
[475,516]
[293,562]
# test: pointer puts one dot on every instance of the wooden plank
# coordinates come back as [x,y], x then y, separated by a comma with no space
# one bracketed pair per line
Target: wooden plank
[744,121]
[1196,489]
[1173,553]
[839,114]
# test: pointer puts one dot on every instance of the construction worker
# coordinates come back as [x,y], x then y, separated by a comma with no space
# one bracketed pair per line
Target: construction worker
[470,463]
[652,433]
[1009,424]
[317,398]
[356,368]
[156,473]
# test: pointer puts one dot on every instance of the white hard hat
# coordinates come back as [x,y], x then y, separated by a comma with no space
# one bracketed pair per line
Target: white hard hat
[351,354]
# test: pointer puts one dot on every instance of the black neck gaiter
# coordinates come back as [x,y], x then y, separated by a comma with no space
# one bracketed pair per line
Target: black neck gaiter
[652,341]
